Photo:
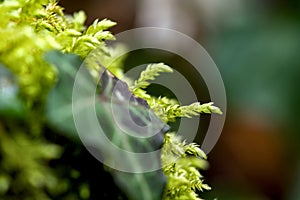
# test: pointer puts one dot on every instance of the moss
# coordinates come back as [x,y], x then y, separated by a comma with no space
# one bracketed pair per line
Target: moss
[28,29]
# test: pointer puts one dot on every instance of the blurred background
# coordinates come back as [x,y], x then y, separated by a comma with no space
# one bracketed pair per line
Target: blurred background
[256,46]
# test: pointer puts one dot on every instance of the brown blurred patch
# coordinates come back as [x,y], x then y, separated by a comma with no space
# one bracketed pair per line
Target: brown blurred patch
[120,11]
[251,153]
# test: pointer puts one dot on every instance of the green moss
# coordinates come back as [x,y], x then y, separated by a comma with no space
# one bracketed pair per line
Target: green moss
[28,29]
[181,161]
[181,164]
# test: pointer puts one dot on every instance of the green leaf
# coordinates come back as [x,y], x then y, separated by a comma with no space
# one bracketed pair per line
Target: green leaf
[10,104]
[59,101]
[117,130]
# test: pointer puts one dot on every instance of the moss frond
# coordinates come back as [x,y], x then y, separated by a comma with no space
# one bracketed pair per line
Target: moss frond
[148,74]
[29,29]
[181,161]
[181,164]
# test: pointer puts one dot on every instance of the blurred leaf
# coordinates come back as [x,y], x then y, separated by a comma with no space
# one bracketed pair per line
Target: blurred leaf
[10,104]
[260,67]
[59,102]
[119,130]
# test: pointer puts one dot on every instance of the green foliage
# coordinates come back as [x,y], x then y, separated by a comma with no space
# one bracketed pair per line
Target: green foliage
[36,93]
[184,178]
[28,29]
[60,115]
[110,58]
[167,109]
[25,156]
[171,112]
[59,101]
[181,162]
[148,74]
[10,104]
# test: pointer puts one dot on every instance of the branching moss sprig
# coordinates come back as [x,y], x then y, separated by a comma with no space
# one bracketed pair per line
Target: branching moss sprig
[165,108]
[181,164]
[181,161]
[29,29]
[148,74]
[71,32]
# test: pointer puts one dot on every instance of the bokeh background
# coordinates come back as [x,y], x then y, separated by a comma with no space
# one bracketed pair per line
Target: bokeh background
[256,46]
